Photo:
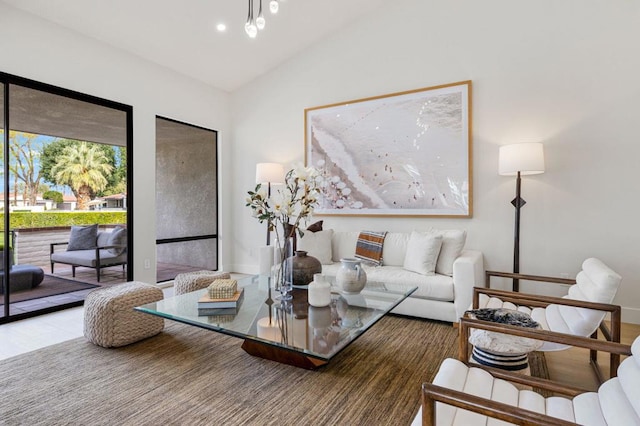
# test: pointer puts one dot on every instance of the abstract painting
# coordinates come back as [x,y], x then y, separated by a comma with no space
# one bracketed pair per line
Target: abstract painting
[402,154]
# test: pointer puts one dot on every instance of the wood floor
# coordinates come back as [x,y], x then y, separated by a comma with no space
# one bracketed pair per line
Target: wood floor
[572,366]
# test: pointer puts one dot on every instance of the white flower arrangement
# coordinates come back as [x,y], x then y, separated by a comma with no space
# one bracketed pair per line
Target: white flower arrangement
[289,205]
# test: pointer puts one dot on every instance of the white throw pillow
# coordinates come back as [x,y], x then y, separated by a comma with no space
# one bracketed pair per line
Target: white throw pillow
[452,244]
[318,245]
[422,252]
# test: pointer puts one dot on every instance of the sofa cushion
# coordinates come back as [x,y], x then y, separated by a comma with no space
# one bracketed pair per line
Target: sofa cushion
[87,258]
[422,253]
[83,237]
[369,247]
[433,287]
[343,244]
[452,244]
[118,237]
[317,244]
[395,248]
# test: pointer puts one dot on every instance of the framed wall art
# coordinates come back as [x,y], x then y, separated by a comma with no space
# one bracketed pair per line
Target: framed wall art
[402,154]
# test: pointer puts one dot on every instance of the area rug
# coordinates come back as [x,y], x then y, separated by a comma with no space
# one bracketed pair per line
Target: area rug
[187,375]
[50,286]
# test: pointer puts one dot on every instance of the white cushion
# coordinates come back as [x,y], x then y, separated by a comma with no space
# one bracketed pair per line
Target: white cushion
[431,287]
[394,248]
[561,408]
[422,253]
[533,401]
[435,287]
[586,409]
[596,281]
[506,393]
[617,401]
[616,407]
[343,244]
[629,378]
[318,245]
[452,244]
[455,375]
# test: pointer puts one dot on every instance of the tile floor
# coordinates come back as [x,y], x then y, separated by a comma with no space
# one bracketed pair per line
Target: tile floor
[34,333]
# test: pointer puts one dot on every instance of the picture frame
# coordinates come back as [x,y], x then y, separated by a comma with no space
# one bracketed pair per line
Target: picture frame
[401,154]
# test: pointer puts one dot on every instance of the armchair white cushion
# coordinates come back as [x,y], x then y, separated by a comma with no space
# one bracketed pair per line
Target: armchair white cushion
[617,401]
[596,282]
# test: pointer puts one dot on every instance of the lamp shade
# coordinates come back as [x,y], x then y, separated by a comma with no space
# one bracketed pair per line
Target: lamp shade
[526,158]
[269,173]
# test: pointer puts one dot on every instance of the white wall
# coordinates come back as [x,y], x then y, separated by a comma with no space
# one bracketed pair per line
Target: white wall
[564,73]
[33,48]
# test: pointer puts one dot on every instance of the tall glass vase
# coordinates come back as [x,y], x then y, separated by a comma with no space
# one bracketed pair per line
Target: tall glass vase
[284,267]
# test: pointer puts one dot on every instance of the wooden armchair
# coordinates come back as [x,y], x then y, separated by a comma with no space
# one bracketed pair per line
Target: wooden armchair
[470,394]
[580,313]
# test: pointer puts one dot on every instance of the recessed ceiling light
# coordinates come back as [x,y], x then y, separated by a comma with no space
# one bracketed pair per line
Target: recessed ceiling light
[221,27]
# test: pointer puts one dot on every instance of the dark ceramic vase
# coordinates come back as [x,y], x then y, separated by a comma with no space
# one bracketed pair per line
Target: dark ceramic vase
[304,266]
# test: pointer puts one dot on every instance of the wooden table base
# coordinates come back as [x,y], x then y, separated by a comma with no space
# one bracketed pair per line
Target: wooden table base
[281,355]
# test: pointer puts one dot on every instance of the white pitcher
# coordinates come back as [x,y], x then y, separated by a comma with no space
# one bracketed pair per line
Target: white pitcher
[351,278]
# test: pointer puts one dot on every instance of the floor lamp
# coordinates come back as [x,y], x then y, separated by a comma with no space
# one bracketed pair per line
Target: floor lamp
[519,160]
[269,173]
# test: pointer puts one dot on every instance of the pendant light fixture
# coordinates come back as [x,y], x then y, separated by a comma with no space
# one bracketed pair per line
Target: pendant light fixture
[258,23]
[274,6]
[250,27]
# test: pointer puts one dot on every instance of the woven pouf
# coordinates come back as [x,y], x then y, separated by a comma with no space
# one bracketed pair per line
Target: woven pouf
[192,281]
[109,318]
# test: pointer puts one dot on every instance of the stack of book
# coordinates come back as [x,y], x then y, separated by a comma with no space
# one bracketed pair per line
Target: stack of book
[220,306]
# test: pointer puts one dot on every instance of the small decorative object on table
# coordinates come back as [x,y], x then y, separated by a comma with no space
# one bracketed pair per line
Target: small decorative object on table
[351,278]
[216,300]
[304,268]
[319,291]
[288,207]
[222,288]
[502,350]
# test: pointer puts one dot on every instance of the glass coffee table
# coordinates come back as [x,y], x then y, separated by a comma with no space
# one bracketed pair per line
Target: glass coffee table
[289,332]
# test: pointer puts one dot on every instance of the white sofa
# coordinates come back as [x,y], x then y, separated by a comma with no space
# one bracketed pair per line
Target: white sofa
[443,295]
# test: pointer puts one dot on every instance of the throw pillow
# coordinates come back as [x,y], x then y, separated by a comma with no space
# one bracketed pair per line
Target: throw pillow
[318,245]
[83,237]
[118,237]
[369,247]
[315,227]
[422,253]
[452,244]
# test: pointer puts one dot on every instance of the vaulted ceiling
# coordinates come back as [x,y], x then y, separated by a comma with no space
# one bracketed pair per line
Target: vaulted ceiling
[182,35]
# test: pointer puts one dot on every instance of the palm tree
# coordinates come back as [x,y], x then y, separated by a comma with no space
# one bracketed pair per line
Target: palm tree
[84,168]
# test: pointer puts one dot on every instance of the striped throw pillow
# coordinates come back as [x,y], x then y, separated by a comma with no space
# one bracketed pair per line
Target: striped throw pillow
[369,247]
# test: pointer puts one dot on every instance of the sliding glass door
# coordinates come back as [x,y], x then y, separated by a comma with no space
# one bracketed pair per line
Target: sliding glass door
[66,165]
[186,198]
